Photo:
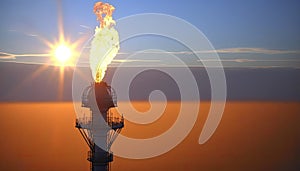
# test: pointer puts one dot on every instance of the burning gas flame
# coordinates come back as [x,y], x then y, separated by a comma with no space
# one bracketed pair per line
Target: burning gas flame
[105,44]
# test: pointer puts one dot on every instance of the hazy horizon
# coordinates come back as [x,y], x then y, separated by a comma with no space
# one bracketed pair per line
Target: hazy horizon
[251,136]
[47,83]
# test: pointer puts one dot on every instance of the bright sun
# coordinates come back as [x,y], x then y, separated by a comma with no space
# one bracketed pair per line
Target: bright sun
[63,53]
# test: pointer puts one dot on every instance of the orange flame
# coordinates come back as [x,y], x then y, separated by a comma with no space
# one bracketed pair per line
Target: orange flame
[105,44]
[105,9]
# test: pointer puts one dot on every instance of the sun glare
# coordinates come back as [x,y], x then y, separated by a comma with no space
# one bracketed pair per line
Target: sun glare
[63,53]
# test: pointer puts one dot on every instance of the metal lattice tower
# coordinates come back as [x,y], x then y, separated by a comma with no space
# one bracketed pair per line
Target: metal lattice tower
[102,126]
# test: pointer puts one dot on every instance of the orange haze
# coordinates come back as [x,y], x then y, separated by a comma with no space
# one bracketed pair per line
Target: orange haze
[251,136]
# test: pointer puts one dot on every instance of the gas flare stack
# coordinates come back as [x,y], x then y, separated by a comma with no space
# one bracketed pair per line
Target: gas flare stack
[102,124]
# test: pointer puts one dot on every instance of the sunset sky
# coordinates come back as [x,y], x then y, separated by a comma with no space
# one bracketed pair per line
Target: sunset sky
[247,35]
[255,33]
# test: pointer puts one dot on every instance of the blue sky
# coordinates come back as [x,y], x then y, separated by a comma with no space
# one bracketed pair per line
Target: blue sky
[265,30]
